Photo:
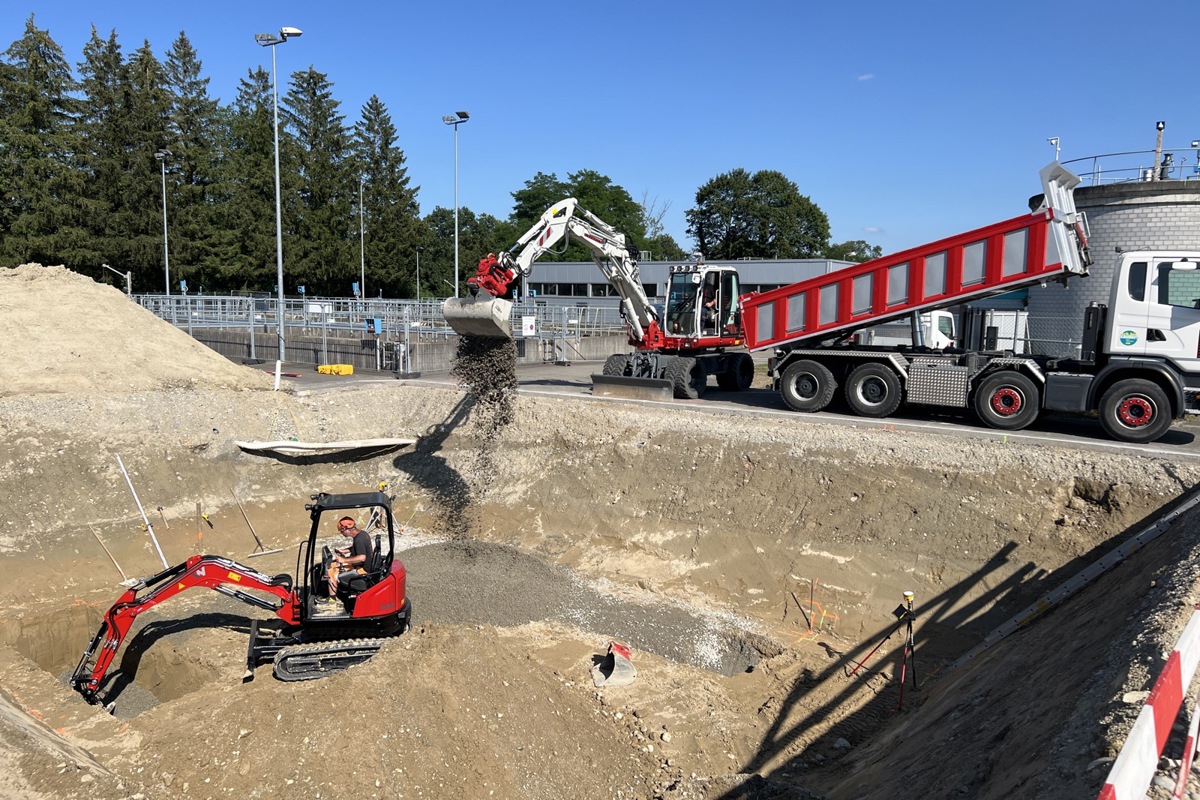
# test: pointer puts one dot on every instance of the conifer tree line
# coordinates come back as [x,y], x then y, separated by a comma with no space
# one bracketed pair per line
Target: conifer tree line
[80,184]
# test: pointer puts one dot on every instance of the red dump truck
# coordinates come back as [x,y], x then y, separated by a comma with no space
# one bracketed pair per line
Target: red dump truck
[1138,367]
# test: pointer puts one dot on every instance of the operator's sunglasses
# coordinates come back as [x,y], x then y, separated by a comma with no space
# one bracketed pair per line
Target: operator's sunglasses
[346,526]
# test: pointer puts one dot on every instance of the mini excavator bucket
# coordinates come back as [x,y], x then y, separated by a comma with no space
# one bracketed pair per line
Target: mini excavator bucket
[481,315]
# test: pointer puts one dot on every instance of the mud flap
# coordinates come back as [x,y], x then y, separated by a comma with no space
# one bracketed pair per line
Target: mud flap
[632,388]
[614,668]
[483,316]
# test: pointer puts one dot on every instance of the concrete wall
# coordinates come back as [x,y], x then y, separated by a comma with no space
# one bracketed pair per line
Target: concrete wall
[432,355]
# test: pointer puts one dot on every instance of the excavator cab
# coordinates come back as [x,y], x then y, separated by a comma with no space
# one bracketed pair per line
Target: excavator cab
[701,301]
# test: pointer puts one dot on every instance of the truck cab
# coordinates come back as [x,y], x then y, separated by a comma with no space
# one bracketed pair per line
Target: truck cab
[1154,309]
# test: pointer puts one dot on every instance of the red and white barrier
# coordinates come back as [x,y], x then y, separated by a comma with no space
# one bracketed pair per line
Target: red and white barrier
[1189,750]
[1136,764]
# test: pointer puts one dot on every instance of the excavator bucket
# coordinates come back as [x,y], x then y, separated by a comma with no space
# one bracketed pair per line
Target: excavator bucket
[482,315]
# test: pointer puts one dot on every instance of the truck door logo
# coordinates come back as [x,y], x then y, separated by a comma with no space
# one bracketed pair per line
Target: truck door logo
[1129,338]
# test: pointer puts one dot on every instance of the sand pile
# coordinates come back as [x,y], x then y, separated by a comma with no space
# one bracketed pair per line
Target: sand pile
[68,334]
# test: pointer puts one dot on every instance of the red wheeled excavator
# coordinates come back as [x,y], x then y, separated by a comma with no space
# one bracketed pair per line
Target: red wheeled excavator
[700,335]
[320,634]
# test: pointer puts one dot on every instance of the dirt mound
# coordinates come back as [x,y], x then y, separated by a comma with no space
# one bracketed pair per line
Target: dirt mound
[74,335]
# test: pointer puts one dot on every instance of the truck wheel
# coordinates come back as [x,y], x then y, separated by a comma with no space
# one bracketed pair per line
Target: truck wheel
[687,376]
[873,390]
[807,386]
[739,374]
[616,365]
[1135,410]
[1007,400]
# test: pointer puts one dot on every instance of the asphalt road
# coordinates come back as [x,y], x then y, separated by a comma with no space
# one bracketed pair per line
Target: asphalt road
[574,380]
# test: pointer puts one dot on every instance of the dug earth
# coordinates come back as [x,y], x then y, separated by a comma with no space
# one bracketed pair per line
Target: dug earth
[751,565]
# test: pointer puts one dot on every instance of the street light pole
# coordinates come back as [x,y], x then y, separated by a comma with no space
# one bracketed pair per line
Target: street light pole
[270,40]
[458,118]
[362,241]
[419,249]
[162,154]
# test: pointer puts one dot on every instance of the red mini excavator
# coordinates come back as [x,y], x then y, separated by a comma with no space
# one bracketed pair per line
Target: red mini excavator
[320,634]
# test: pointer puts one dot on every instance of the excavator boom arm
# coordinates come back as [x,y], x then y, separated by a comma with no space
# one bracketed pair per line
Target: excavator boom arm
[212,572]
[496,275]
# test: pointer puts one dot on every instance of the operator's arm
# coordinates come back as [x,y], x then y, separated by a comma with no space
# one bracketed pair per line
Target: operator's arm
[361,546]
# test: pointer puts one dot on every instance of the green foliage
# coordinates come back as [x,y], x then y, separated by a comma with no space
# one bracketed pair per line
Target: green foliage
[80,184]
[195,133]
[389,208]
[739,215]
[661,245]
[320,213]
[38,219]
[854,250]
[478,235]
[244,210]
[595,192]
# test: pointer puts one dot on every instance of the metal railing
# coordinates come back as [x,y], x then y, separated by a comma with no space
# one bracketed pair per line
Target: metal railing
[342,314]
[1138,166]
[391,329]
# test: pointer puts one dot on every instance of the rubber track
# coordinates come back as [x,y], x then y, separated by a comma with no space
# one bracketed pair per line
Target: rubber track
[305,662]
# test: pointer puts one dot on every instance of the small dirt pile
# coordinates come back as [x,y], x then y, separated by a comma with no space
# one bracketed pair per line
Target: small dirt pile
[69,334]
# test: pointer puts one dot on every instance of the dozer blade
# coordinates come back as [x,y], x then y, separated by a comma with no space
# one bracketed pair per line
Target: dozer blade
[483,315]
[632,388]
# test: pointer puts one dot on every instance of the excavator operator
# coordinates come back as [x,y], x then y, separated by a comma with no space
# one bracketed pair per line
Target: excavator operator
[352,560]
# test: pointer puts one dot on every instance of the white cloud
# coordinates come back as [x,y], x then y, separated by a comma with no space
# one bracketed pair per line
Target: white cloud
[872,229]
[867,76]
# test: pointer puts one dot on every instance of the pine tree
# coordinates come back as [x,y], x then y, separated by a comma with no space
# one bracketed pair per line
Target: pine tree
[39,218]
[321,254]
[140,205]
[245,207]
[194,133]
[390,210]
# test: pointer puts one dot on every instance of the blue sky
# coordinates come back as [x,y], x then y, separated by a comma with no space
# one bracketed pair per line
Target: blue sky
[904,122]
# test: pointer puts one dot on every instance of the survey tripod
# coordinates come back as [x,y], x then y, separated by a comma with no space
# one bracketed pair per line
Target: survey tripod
[904,615]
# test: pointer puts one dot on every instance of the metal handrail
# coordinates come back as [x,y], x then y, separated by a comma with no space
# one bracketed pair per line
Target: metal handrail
[1138,166]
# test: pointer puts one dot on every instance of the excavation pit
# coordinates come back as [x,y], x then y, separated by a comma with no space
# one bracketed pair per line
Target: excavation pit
[685,532]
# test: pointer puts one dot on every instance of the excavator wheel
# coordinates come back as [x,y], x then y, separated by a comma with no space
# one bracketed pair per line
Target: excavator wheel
[739,375]
[616,365]
[687,376]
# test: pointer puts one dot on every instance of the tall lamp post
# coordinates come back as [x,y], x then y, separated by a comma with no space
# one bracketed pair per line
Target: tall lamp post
[270,40]
[419,249]
[362,241]
[458,118]
[162,154]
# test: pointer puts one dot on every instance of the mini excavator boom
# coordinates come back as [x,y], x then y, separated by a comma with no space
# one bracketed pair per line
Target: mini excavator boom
[320,634]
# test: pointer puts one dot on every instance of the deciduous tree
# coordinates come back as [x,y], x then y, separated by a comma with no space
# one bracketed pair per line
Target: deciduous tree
[739,215]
